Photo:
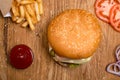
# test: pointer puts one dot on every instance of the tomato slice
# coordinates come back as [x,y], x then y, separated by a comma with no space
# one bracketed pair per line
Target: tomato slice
[102,9]
[118,1]
[115,17]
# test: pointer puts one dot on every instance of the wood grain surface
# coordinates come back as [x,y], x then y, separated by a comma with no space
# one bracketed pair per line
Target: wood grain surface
[43,66]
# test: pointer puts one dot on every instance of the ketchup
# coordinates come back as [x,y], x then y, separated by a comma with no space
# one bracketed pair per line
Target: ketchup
[21,56]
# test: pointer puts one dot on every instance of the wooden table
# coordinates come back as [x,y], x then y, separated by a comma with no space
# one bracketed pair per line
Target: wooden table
[43,67]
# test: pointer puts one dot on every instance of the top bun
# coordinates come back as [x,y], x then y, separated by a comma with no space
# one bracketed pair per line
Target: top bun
[74,34]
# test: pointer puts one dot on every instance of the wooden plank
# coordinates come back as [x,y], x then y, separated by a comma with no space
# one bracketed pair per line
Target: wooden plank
[43,67]
[3,56]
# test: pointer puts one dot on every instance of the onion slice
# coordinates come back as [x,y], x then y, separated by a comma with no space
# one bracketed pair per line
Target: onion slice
[117,52]
[118,62]
[114,68]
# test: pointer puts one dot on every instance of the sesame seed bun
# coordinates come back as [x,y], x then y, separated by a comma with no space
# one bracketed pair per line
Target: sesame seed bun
[74,34]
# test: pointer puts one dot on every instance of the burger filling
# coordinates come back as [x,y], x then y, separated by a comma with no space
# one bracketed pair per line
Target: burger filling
[67,61]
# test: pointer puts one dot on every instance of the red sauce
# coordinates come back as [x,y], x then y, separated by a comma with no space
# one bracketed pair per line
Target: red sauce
[21,56]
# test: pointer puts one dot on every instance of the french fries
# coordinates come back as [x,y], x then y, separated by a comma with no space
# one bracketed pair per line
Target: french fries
[15,9]
[22,11]
[25,24]
[27,12]
[29,20]
[37,11]
[24,2]
[40,4]
[30,10]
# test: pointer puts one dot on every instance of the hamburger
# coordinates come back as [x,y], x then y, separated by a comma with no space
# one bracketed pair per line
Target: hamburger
[73,36]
